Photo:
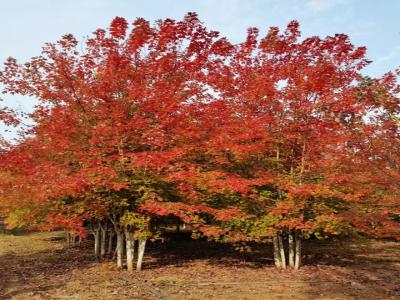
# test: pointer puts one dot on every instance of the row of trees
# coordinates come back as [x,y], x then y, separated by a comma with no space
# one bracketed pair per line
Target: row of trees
[146,125]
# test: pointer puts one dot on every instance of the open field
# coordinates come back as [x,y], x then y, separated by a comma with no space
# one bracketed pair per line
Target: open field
[39,266]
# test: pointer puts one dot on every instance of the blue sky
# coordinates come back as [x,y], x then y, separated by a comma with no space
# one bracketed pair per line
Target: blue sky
[27,24]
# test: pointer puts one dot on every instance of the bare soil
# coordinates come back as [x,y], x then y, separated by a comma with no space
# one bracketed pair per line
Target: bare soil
[40,266]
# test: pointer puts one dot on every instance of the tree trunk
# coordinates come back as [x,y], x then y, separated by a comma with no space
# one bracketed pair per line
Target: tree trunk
[103,240]
[282,251]
[130,249]
[291,248]
[123,247]
[68,238]
[297,263]
[110,242]
[115,250]
[73,240]
[277,254]
[97,243]
[120,247]
[141,248]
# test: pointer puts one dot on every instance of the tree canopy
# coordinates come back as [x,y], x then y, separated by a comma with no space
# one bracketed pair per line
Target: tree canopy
[277,136]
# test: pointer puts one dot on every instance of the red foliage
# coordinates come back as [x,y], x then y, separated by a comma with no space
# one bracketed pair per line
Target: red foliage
[179,105]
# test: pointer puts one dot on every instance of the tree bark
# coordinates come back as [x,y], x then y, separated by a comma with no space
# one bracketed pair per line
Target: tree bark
[123,247]
[130,249]
[297,263]
[291,248]
[119,248]
[110,242]
[73,240]
[97,243]
[68,238]
[141,248]
[103,239]
[277,254]
[282,251]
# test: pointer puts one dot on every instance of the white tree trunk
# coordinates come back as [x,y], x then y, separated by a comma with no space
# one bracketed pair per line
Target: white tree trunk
[130,250]
[103,240]
[277,254]
[297,263]
[120,246]
[97,243]
[141,248]
[282,251]
[110,242]
[291,248]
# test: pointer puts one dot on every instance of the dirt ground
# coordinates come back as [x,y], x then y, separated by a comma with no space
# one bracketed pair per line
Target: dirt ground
[39,266]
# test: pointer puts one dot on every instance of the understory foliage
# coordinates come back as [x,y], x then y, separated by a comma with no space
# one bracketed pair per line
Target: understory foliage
[146,126]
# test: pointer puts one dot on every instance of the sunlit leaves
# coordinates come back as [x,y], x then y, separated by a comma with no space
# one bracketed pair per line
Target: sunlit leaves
[149,121]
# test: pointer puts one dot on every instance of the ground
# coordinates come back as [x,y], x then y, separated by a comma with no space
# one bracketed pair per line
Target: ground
[40,266]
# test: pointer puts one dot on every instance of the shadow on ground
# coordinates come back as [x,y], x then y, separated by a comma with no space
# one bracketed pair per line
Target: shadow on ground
[37,270]
[180,249]
[38,266]
[351,269]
